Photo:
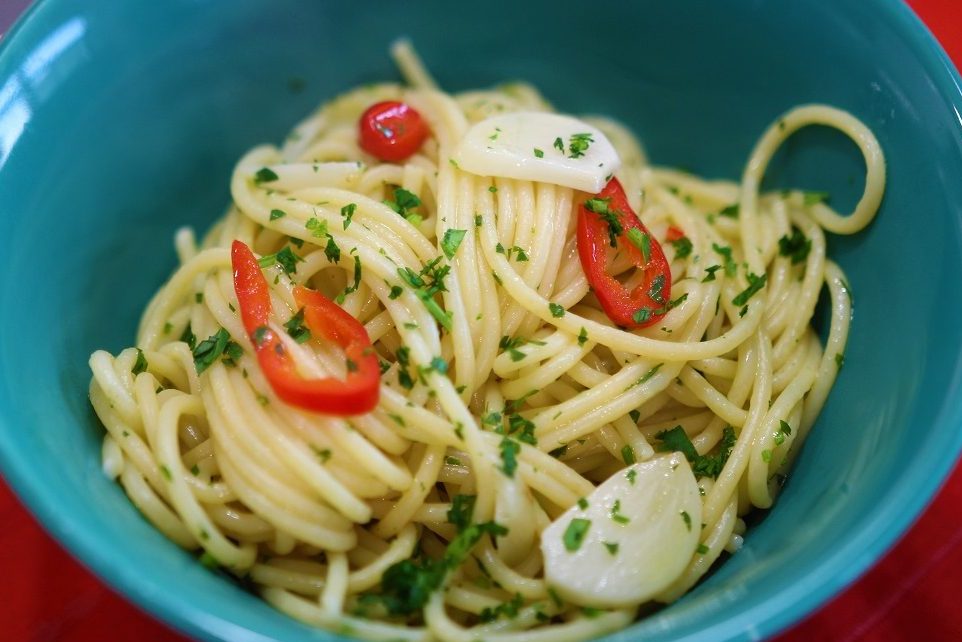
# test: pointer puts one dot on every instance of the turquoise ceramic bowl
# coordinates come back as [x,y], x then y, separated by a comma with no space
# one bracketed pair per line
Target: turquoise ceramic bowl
[119,125]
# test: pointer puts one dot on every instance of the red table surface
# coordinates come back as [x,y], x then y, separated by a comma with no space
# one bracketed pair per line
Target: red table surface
[911,594]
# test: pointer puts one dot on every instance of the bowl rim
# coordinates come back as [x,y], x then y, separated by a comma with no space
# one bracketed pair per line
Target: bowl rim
[812,590]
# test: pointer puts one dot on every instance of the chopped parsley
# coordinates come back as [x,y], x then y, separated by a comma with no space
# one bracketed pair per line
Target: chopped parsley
[187,336]
[612,547]
[140,365]
[404,201]
[731,268]
[285,258]
[602,207]
[265,175]
[578,144]
[331,250]
[407,585]
[317,227]
[582,337]
[426,284]
[616,515]
[839,360]
[702,549]
[233,353]
[538,153]
[462,508]
[559,144]
[451,241]
[557,310]
[641,241]
[210,349]
[811,198]
[509,455]
[682,247]
[729,212]
[276,214]
[575,534]
[296,328]
[703,465]
[357,280]
[628,454]
[796,246]
[687,519]
[648,375]
[656,290]
[505,609]
[347,212]
[755,283]
[711,273]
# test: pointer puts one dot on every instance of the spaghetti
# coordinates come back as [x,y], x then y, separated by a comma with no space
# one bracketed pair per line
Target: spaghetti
[422,519]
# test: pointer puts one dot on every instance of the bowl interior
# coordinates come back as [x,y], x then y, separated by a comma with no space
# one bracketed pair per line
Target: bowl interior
[118,127]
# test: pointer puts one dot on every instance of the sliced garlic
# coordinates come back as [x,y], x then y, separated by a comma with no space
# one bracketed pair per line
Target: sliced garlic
[539,146]
[629,539]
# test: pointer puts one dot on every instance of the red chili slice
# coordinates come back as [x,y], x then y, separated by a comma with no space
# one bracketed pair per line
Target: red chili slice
[605,221]
[356,394]
[392,131]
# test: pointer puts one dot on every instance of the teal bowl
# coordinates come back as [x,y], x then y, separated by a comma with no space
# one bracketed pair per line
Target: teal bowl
[119,124]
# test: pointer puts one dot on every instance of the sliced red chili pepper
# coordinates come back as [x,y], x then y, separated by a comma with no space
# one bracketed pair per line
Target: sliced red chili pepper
[674,233]
[356,394]
[607,220]
[392,130]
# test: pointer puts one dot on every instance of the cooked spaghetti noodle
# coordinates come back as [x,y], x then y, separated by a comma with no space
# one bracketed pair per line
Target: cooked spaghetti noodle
[315,509]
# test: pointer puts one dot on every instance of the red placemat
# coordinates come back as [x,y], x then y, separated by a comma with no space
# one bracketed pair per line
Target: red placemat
[45,596]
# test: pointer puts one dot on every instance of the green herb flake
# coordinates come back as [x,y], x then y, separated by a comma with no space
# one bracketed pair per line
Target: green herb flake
[711,273]
[612,547]
[347,212]
[407,585]
[683,247]
[702,549]
[232,354]
[575,534]
[209,561]
[557,310]
[687,519]
[755,283]
[264,175]
[602,207]
[210,349]
[616,515]
[628,454]
[538,153]
[404,201]
[812,198]
[462,508]
[582,337]
[641,241]
[296,328]
[276,214]
[731,267]
[451,241]
[730,212]
[631,475]
[509,455]
[332,251]
[839,360]
[140,365]
[578,144]
[796,247]
[317,227]
[702,465]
